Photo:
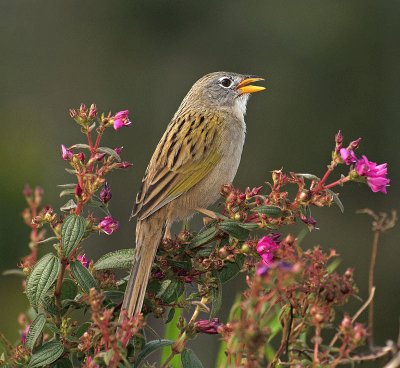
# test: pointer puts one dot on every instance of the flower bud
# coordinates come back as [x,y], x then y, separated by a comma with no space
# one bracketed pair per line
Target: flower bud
[92,111]
[66,154]
[38,195]
[208,326]
[354,144]
[339,138]
[105,193]
[78,190]
[27,191]
[118,150]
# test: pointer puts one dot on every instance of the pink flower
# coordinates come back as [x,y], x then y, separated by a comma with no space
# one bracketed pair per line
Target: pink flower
[108,225]
[66,154]
[265,248]
[121,119]
[82,258]
[24,333]
[208,326]
[348,156]
[376,174]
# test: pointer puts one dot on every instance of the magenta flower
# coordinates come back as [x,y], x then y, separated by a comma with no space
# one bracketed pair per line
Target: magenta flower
[108,225]
[66,154]
[208,326]
[82,258]
[121,119]
[265,248]
[105,193]
[376,174]
[348,156]
[24,333]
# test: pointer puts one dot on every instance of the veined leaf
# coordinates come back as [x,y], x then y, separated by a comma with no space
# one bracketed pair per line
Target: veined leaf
[231,269]
[234,229]
[80,146]
[336,199]
[110,151]
[309,177]
[35,330]
[71,185]
[270,211]
[72,232]
[190,360]
[46,354]
[68,289]
[85,280]
[121,258]
[203,237]
[170,290]
[66,192]
[41,278]
[216,294]
[68,206]
[149,348]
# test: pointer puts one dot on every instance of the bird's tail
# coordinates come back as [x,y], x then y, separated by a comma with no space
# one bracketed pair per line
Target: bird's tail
[148,236]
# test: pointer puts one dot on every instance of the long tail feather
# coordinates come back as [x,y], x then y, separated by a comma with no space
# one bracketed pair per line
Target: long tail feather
[148,236]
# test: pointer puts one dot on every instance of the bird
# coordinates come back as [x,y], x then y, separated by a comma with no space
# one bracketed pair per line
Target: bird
[199,152]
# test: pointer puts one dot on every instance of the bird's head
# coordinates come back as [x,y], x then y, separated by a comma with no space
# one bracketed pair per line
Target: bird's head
[222,91]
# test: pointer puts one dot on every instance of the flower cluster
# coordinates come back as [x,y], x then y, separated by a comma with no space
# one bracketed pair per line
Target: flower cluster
[292,293]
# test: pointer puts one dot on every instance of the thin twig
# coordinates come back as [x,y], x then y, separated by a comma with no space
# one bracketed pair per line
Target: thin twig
[371,282]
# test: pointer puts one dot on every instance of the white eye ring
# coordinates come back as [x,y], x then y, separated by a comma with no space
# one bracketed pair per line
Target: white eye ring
[225,82]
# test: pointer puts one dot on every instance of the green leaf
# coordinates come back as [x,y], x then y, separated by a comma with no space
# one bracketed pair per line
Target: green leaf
[170,316]
[13,272]
[83,276]
[46,354]
[72,232]
[190,360]
[149,348]
[68,289]
[68,206]
[121,258]
[34,331]
[63,363]
[203,237]
[171,333]
[222,357]
[80,146]
[249,225]
[216,297]
[66,192]
[110,151]
[231,269]
[114,295]
[82,329]
[234,229]
[48,240]
[336,199]
[49,306]
[41,278]
[170,290]
[270,211]
[309,177]
[206,251]
[72,185]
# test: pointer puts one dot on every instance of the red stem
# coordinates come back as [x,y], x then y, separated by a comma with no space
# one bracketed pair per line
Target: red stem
[337,182]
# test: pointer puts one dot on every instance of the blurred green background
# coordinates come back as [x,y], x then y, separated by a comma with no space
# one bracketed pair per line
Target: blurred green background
[330,65]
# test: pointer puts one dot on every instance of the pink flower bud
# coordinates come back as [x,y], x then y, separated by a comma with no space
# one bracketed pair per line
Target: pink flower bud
[78,190]
[347,156]
[92,111]
[66,154]
[354,144]
[81,156]
[82,258]
[208,326]
[118,150]
[99,156]
[124,165]
[27,192]
[105,193]
[83,108]
[339,138]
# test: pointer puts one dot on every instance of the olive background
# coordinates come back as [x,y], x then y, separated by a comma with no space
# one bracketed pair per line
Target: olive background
[329,65]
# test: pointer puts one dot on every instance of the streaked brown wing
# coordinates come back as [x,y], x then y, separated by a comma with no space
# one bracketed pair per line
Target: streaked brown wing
[186,153]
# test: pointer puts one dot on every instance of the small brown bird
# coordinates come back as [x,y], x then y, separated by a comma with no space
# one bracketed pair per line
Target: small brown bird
[198,153]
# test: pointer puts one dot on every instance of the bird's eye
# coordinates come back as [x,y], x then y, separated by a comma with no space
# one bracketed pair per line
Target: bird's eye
[225,82]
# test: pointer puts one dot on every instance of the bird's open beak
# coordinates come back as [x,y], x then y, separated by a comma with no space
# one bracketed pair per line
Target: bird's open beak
[245,87]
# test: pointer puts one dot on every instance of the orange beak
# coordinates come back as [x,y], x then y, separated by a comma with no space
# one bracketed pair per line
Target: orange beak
[245,87]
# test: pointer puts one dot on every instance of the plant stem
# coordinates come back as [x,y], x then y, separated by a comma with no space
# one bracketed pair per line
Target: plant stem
[337,182]
[316,345]
[324,178]
[57,291]
[371,284]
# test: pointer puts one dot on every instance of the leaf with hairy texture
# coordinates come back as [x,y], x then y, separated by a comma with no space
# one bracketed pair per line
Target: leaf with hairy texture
[71,185]
[203,237]
[48,240]
[35,330]
[70,205]
[72,231]
[80,146]
[41,278]
[309,177]
[68,289]
[234,229]
[170,290]
[190,360]
[216,297]
[110,152]
[231,269]
[120,259]
[66,192]
[13,272]
[270,211]
[63,363]
[46,354]
[84,278]
[149,348]
[336,199]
